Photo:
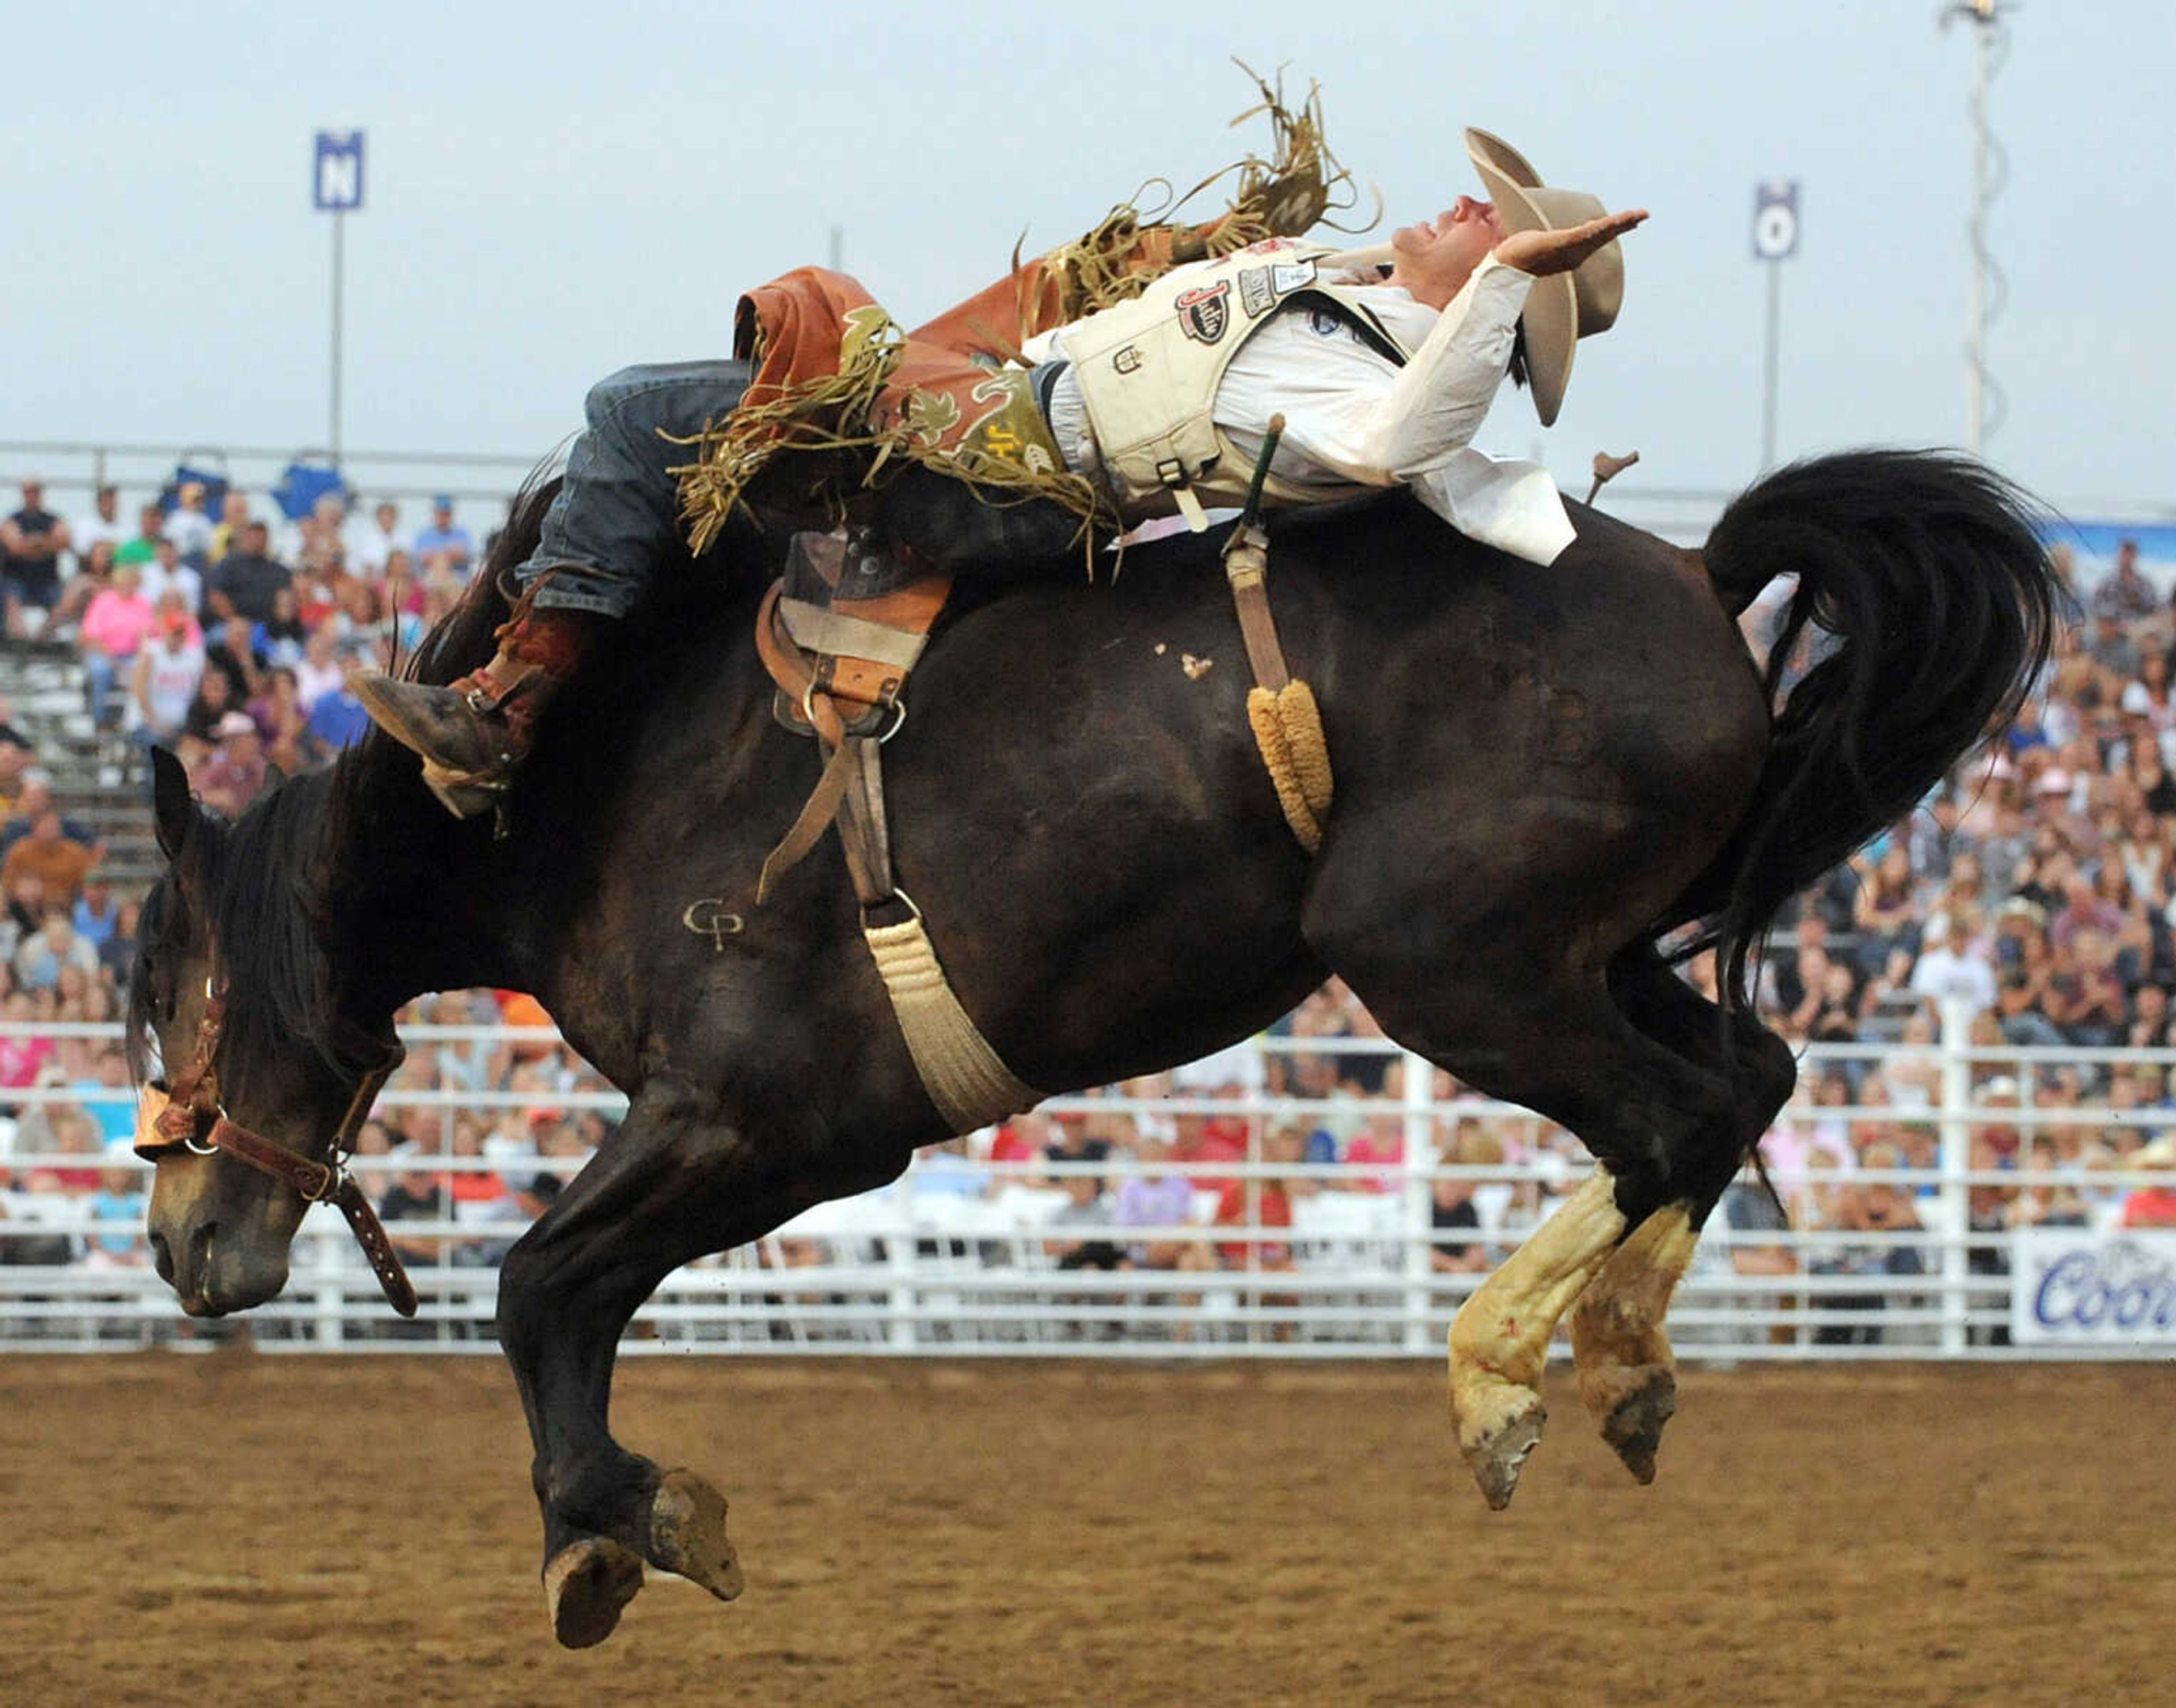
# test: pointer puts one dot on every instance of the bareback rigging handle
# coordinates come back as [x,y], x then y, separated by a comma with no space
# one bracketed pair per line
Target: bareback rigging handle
[1246,566]
[1253,507]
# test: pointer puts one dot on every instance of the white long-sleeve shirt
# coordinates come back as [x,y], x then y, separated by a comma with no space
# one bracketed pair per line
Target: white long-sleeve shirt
[1356,419]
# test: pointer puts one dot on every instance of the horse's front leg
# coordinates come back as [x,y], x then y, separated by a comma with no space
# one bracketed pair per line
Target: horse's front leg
[684,1178]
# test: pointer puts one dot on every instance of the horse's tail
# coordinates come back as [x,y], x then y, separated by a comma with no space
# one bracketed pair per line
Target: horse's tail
[1925,570]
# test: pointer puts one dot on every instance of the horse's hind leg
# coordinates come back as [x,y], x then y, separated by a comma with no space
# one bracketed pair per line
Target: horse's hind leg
[1570,1055]
[1626,1370]
[680,1180]
[1495,1001]
[1499,1339]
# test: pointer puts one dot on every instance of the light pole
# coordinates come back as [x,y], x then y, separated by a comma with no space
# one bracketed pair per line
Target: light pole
[1774,241]
[1985,288]
[336,188]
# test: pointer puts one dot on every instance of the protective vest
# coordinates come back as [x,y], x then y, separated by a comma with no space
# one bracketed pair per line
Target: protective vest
[1148,372]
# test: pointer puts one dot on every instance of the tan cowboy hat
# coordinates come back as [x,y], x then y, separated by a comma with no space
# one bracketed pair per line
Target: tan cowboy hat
[1567,306]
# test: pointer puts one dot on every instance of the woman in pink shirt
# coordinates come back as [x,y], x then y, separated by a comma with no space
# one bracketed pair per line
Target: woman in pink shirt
[21,1056]
[114,625]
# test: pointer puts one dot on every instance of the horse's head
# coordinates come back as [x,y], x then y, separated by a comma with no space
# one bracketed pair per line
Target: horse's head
[250,1073]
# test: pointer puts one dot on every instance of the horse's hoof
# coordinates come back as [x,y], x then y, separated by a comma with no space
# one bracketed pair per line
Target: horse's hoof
[1499,1425]
[1632,1406]
[688,1535]
[586,1585]
[1627,1376]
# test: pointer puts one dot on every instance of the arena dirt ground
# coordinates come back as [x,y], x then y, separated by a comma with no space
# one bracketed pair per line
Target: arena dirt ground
[238,1528]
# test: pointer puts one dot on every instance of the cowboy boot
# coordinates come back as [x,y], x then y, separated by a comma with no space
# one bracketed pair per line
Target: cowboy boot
[474,732]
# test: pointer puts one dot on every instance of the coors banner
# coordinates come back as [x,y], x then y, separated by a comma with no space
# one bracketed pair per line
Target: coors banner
[2076,1287]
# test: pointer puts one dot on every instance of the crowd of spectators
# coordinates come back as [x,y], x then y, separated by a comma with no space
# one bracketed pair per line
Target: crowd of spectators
[229,636]
[2036,887]
[225,633]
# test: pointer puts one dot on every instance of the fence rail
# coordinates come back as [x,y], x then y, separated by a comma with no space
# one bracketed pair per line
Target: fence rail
[1272,1257]
[70,466]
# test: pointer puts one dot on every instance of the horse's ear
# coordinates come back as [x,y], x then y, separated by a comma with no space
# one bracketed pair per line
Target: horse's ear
[171,809]
[274,776]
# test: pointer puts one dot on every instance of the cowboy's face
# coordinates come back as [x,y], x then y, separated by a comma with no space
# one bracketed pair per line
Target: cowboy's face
[1436,258]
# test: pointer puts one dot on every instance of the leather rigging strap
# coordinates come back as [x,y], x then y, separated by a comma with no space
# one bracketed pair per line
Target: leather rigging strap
[853,705]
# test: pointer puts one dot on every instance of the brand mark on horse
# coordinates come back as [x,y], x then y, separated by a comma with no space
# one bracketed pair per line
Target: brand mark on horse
[710,917]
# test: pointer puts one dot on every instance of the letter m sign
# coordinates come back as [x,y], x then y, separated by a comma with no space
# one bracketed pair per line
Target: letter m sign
[336,180]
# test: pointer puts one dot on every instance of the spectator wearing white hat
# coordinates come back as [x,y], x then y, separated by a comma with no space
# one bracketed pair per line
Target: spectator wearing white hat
[233,772]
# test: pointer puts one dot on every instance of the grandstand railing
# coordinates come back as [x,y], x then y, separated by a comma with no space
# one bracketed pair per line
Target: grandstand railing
[960,1257]
[1683,515]
[70,466]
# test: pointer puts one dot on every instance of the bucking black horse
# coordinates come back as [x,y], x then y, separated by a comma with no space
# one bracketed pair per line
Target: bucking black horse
[1550,783]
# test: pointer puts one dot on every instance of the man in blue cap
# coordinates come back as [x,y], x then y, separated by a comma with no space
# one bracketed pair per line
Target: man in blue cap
[444,544]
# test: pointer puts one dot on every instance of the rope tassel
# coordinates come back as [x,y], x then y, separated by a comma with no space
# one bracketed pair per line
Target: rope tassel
[1287,728]
[1283,712]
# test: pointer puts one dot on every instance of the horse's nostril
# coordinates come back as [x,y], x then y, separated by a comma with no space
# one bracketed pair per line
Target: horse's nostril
[200,1251]
[162,1259]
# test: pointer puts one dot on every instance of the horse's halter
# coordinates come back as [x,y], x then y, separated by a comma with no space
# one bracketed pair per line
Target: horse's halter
[188,1115]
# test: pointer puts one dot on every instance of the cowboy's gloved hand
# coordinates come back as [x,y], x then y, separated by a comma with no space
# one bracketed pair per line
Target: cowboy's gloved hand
[1541,252]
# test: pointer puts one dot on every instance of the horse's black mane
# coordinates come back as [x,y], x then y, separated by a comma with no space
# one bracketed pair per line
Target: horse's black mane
[269,946]
[276,976]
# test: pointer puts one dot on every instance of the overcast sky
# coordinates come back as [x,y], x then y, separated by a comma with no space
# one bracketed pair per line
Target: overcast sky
[555,191]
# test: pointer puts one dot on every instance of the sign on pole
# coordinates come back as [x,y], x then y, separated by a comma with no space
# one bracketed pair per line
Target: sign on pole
[1775,219]
[1774,241]
[336,188]
[336,176]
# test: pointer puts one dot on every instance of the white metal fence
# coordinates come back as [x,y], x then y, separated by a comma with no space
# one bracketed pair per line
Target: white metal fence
[1969,1219]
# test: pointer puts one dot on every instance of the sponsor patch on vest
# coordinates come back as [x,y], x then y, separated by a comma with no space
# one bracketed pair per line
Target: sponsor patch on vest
[1269,246]
[1262,288]
[1205,312]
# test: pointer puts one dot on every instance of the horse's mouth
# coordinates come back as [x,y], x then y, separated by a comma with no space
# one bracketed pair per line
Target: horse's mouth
[197,1284]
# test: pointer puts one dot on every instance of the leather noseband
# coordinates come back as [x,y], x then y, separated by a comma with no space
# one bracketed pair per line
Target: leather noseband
[190,1116]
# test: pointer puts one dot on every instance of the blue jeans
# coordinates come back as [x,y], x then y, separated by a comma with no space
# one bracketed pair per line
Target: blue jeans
[618,508]
[101,676]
